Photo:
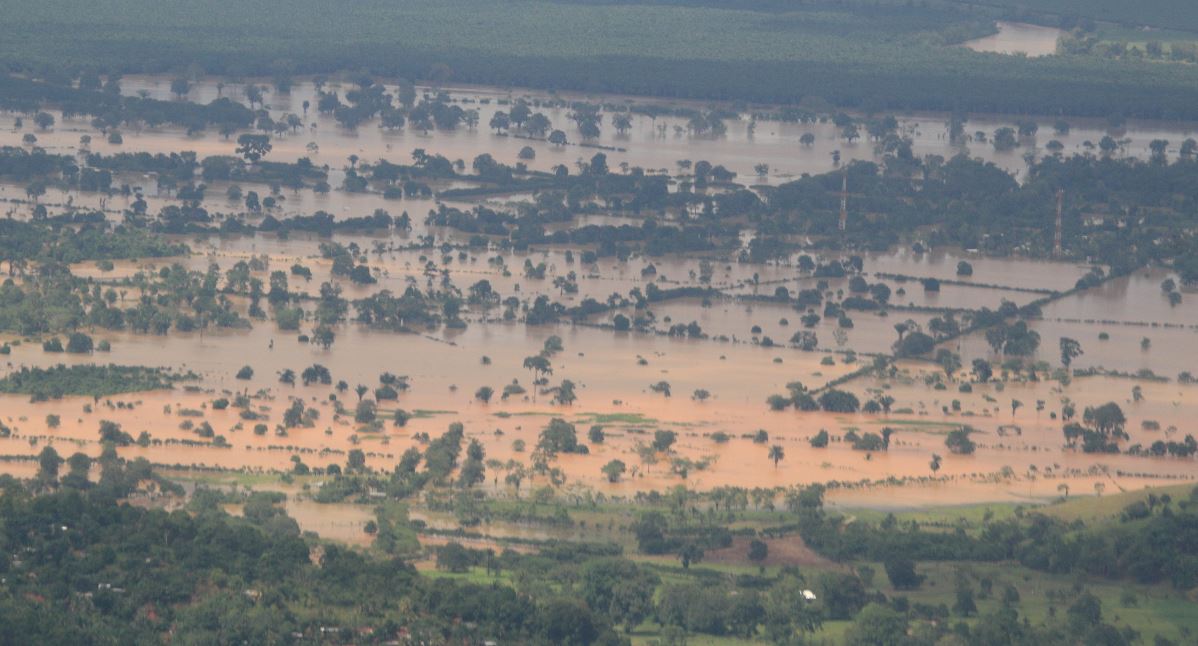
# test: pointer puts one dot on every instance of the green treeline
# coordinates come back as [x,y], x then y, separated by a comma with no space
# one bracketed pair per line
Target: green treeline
[1163,14]
[175,171]
[50,241]
[81,568]
[185,301]
[94,380]
[108,108]
[961,202]
[1152,544]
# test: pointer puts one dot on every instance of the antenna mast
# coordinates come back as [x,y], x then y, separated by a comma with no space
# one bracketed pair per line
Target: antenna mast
[1056,238]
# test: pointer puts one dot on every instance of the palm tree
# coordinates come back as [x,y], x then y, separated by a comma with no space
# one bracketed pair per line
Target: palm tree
[361,389]
[1064,489]
[776,454]
[538,365]
[935,464]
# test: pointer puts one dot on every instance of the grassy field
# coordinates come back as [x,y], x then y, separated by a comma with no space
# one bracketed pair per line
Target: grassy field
[969,517]
[260,481]
[1092,509]
[1083,506]
[1150,610]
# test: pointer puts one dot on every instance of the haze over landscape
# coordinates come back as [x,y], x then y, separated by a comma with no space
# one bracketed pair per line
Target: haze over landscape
[599,322]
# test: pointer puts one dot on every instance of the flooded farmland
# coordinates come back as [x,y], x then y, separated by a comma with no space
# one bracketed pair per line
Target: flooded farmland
[707,384]
[653,143]
[592,323]
[1018,38]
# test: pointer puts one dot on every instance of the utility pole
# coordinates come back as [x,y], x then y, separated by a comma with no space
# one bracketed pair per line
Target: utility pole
[1056,238]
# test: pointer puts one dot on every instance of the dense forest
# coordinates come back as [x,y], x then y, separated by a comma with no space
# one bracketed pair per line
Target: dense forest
[1161,14]
[82,568]
[871,56]
[83,565]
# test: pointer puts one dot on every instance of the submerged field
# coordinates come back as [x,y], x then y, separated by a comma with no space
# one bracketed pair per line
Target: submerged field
[704,386]
[404,368]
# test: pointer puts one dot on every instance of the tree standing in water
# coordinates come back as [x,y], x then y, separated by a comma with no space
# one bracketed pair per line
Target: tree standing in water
[1070,350]
[776,454]
[253,147]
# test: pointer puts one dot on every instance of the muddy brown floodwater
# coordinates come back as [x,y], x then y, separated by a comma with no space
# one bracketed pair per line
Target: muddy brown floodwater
[653,144]
[1021,455]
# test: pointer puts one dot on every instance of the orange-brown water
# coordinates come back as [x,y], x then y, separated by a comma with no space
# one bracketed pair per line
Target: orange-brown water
[613,371]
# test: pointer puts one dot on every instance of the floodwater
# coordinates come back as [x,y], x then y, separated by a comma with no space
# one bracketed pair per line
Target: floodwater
[613,371]
[1127,310]
[1133,299]
[1019,39]
[871,332]
[613,393]
[941,263]
[656,145]
[344,522]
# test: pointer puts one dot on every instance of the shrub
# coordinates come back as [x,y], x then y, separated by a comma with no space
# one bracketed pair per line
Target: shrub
[79,343]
